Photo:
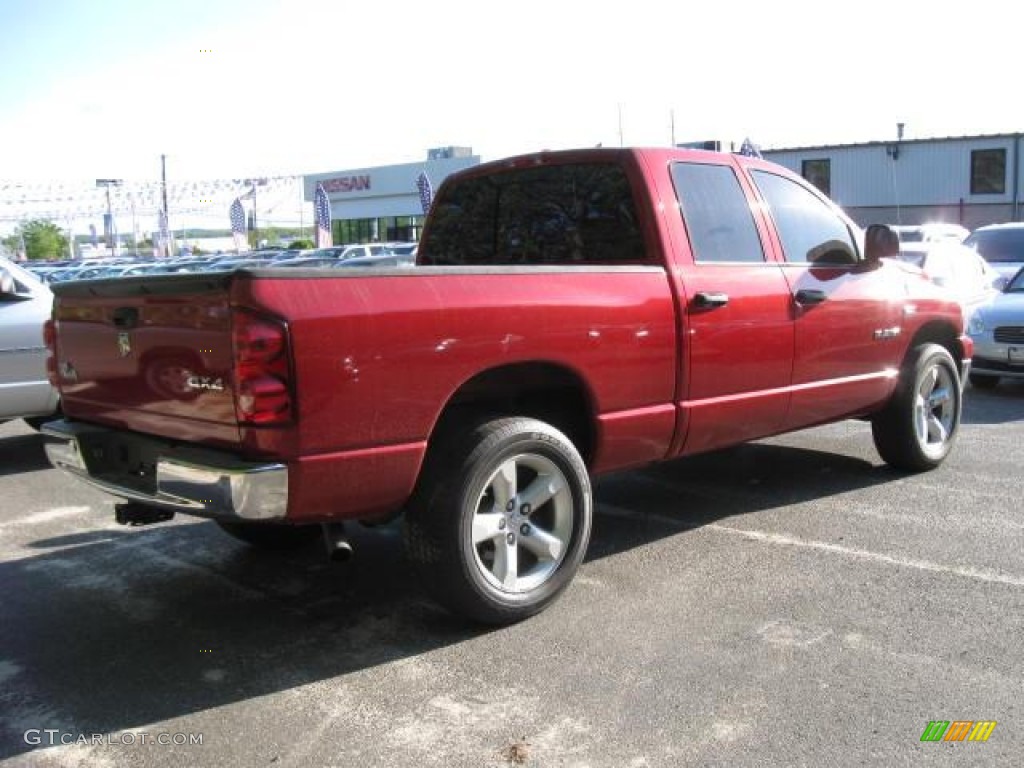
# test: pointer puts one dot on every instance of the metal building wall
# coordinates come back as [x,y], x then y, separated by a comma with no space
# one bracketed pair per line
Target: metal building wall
[917,180]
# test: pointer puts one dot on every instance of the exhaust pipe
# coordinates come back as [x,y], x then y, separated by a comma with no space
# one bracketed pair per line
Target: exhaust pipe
[338,548]
[133,513]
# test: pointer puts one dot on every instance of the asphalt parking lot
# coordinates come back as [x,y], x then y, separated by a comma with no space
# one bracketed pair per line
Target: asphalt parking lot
[789,602]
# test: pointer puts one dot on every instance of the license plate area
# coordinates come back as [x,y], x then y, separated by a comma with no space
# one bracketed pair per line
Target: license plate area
[1015,355]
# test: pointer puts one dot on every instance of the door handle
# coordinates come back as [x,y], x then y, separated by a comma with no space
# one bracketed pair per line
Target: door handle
[810,296]
[710,299]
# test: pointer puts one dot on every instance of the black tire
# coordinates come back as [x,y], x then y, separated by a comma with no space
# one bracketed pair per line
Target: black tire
[480,485]
[918,427]
[272,536]
[982,380]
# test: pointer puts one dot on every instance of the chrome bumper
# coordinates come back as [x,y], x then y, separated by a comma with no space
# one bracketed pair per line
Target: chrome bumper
[186,479]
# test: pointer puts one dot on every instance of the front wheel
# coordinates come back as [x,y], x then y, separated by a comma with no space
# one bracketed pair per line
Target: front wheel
[501,519]
[918,427]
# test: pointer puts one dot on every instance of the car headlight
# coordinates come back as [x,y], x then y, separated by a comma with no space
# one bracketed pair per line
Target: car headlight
[976,325]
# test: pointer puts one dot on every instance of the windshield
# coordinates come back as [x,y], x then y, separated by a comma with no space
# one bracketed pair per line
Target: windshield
[998,245]
[19,273]
[1016,285]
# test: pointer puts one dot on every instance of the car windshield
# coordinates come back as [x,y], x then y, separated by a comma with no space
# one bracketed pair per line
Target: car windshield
[998,245]
[1017,284]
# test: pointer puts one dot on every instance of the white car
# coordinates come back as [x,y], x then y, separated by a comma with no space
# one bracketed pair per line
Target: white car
[345,252]
[960,270]
[25,304]
[935,232]
[1001,245]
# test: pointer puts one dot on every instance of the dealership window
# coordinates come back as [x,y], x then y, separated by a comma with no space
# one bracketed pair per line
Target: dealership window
[386,229]
[988,172]
[819,173]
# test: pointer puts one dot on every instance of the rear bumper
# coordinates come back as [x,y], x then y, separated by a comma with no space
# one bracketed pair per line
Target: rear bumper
[184,479]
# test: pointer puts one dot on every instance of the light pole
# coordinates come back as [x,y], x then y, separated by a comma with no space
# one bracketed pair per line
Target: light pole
[165,225]
[893,151]
[108,223]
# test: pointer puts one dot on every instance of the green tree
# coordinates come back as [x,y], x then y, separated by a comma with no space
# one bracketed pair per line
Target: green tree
[43,239]
[12,244]
[299,245]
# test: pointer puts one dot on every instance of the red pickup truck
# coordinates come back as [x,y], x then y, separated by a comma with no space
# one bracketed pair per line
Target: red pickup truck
[570,313]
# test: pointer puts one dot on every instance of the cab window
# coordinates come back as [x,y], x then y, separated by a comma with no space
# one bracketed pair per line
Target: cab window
[580,213]
[717,215]
[811,232]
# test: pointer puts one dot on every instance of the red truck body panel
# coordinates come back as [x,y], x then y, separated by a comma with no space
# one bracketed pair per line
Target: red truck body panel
[376,357]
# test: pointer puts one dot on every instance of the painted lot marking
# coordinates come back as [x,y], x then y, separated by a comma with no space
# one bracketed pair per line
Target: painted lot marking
[780,539]
[48,516]
[863,554]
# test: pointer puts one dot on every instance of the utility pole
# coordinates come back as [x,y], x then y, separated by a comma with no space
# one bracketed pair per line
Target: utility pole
[135,229]
[108,223]
[163,188]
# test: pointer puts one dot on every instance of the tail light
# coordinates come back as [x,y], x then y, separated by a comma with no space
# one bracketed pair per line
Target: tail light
[50,340]
[262,368]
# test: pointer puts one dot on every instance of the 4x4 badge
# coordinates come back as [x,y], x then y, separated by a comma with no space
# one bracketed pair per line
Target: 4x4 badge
[124,344]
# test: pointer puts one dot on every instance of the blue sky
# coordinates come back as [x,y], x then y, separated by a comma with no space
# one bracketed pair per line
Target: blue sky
[231,89]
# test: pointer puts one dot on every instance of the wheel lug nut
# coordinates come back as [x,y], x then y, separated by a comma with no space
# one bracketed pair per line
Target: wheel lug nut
[526,510]
[501,524]
[524,529]
[511,505]
[511,538]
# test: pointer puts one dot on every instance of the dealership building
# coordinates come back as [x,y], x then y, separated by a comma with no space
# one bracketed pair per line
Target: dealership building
[967,180]
[382,204]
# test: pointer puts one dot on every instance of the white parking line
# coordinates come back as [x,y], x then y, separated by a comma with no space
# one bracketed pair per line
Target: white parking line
[863,554]
[46,517]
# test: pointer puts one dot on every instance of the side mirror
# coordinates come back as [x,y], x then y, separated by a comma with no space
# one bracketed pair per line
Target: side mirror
[880,242]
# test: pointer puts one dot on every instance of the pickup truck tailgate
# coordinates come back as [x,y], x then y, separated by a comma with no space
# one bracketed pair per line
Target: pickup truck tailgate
[149,354]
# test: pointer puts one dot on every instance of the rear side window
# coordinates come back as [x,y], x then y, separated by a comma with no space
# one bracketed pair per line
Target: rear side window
[561,214]
[811,232]
[717,215]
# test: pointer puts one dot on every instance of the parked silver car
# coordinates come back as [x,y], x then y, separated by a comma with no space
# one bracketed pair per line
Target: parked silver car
[25,304]
[998,334]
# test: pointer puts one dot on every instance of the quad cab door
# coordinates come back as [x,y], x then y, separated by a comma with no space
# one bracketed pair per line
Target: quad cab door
[847,313]
[737,335]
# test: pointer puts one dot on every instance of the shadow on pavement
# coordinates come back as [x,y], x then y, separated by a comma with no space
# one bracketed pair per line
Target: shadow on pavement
[158,623]
[1001,405]
[632,507]
[22,453]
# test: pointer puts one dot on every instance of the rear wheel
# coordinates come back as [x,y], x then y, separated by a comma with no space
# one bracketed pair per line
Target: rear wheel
[982,380]
[501,520]
[918,427]
[271,536]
